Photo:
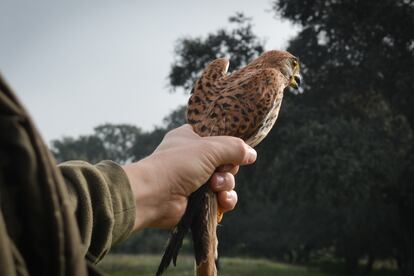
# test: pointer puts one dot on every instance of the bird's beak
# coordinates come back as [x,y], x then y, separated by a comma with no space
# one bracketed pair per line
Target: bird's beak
[295,81]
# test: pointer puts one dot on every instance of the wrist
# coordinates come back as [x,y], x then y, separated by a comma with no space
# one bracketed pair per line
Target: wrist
[142,184]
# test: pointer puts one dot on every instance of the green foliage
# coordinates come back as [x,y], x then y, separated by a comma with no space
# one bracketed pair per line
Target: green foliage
[317,185]
[88,148]
[357,60]
[113,142]
[358,44]
[146,264]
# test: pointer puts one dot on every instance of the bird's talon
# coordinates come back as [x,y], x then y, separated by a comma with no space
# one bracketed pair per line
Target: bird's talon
[220,214]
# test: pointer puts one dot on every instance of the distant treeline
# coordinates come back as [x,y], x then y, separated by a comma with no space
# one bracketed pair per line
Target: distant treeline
[335,177]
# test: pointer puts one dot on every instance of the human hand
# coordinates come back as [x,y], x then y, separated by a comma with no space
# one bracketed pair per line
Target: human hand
[162,182]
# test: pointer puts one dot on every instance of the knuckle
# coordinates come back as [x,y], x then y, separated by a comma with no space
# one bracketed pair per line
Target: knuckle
[241,146]
[229,178]
[177,208]
[235,170]
[235,141]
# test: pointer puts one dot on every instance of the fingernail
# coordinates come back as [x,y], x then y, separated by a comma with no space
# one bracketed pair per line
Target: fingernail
[251,155]
[229,195]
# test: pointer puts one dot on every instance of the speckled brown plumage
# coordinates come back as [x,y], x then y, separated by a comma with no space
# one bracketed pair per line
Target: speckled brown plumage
[244,104]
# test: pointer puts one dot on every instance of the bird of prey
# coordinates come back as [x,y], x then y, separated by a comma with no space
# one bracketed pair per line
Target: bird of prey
[244,104]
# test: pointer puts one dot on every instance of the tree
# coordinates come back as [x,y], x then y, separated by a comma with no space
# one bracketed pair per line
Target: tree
[118,141]
[176,118]
[369,41]
[114,142]
[239,44]
[351,50]
[87,148]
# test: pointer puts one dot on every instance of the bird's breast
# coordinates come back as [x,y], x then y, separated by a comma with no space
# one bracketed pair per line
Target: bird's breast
[267,124]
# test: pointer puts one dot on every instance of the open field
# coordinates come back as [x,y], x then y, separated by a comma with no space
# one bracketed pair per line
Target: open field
[128,265]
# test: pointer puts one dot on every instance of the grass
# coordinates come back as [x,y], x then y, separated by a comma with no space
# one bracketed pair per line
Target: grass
[128,265]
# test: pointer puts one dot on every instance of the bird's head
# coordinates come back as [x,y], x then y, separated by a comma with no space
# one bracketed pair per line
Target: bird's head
[286,63]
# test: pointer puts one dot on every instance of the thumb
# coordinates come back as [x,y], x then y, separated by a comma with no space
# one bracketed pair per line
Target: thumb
[231,150]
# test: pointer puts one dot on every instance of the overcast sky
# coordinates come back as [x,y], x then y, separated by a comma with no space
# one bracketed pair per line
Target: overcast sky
[76,64]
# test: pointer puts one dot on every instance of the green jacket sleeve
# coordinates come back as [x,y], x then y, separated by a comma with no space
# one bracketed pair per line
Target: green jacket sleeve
[103,203]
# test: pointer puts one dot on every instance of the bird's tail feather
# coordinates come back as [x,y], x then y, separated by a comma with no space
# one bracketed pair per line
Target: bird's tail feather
[195,203]
[204,231]
[171,252]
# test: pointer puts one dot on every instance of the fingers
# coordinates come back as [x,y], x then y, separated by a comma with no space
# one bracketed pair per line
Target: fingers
[226,149]
[233,169]
[231,150]
[227,200]
[223,183]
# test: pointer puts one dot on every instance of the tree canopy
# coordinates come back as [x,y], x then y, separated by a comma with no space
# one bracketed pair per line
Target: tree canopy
[239,44]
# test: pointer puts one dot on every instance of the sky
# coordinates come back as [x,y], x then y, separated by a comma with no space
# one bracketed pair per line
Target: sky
[80,63]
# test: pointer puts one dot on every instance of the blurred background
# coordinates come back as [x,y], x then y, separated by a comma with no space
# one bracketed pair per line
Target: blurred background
[332,191]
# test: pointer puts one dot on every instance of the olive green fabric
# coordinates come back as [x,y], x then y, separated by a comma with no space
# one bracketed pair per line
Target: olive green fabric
[102,198]
[49,226]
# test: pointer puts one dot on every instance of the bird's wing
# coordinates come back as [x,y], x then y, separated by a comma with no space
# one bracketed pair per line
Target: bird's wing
[206,89]
[243,105]
[216,69]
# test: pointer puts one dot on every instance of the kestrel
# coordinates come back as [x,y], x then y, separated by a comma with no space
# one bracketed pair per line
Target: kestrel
[244,104]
